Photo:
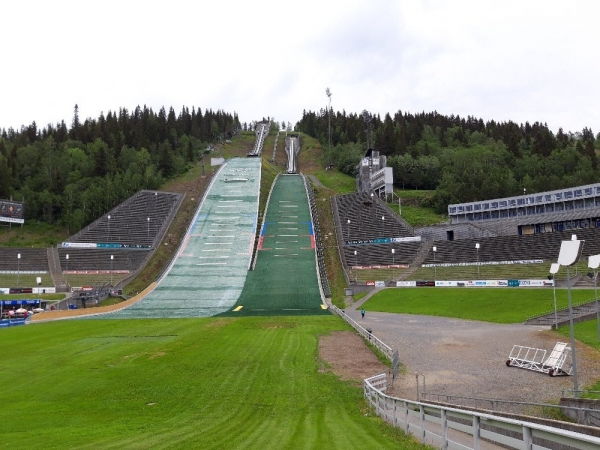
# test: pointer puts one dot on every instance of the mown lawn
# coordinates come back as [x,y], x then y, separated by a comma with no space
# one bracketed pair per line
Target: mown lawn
[183,383]
[500,305]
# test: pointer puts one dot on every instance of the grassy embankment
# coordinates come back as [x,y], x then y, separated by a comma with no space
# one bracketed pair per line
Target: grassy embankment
[183,383]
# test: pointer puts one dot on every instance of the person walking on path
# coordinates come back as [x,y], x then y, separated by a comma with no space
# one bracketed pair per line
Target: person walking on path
[362,313]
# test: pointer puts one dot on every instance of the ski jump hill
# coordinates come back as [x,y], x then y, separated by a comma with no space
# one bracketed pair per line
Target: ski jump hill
[210,273]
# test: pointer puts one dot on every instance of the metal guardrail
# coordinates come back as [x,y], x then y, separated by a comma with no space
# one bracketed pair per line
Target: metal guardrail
[446,427]
[366,333]
[509,406]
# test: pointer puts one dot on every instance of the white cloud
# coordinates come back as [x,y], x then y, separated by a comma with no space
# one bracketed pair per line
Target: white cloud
[513,60]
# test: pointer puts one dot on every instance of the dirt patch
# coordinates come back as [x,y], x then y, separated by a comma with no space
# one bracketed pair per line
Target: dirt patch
[347,356]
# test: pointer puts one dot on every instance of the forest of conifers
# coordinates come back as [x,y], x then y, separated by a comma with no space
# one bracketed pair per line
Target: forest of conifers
[463,159]
[72,175]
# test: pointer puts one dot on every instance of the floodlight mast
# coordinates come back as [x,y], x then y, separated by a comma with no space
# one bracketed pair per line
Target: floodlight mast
[328,92]
[594,263]
[570,252]
[554,267]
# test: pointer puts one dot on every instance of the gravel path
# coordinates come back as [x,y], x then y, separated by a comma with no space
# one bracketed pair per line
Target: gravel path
[468,358]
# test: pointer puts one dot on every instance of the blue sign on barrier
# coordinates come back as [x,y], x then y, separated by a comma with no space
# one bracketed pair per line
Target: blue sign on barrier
[19,302]
[11,323]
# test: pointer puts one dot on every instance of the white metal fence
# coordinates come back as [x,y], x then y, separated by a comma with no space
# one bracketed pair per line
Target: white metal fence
[452,428]
[378,343]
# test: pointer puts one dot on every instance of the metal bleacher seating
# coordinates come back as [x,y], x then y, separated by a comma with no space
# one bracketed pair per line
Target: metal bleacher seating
[133,231]
[363,218]
[32,259]
[542,246]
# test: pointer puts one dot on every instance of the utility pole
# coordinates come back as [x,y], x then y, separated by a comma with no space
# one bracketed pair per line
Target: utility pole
[328,92]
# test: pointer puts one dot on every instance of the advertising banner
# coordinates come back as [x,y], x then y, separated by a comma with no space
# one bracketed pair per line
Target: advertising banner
[93,272]
[44,290]
[379,283]
[79,245]
[19,302]
[407,239]
[406,283]
[103,245]
[13,212]
[11,323]
[20,291]
[4,291]
[445,283]
[486,263]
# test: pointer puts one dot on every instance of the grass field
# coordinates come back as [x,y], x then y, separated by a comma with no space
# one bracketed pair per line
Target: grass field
[182,383]
[499,305]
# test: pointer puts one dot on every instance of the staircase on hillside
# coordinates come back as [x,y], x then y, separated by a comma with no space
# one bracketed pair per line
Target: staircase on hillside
[419,259]
[581,313]
[56,271]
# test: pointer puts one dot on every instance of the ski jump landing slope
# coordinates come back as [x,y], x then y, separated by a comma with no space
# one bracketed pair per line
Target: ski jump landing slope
[284,280]
[209,272]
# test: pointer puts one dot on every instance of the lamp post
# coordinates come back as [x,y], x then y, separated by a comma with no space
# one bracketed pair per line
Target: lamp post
[477,248]
[393,262]
[434,265]
[18,267]
[593,263]
[108,228]
[570,252]
[111,269]
[553,270]
[348,230]
[382,225]
[328,92]
[66,274]
[148,228]
[355,258]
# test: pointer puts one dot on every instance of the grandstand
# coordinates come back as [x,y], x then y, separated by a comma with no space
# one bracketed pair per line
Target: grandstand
[519,245]
[368,231]
[117,245]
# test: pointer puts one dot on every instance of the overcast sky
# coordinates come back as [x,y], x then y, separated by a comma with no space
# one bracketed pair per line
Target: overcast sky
[510,60]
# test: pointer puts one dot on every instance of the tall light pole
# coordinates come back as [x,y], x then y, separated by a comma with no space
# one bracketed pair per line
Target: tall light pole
[394,262]
[434,265]
[382,225]
[355,258]
[554,270]
[111,269]
[108,228]
[570,252]
[328,92]
[18,267]
[148,228]
[477,248]
[593,263]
